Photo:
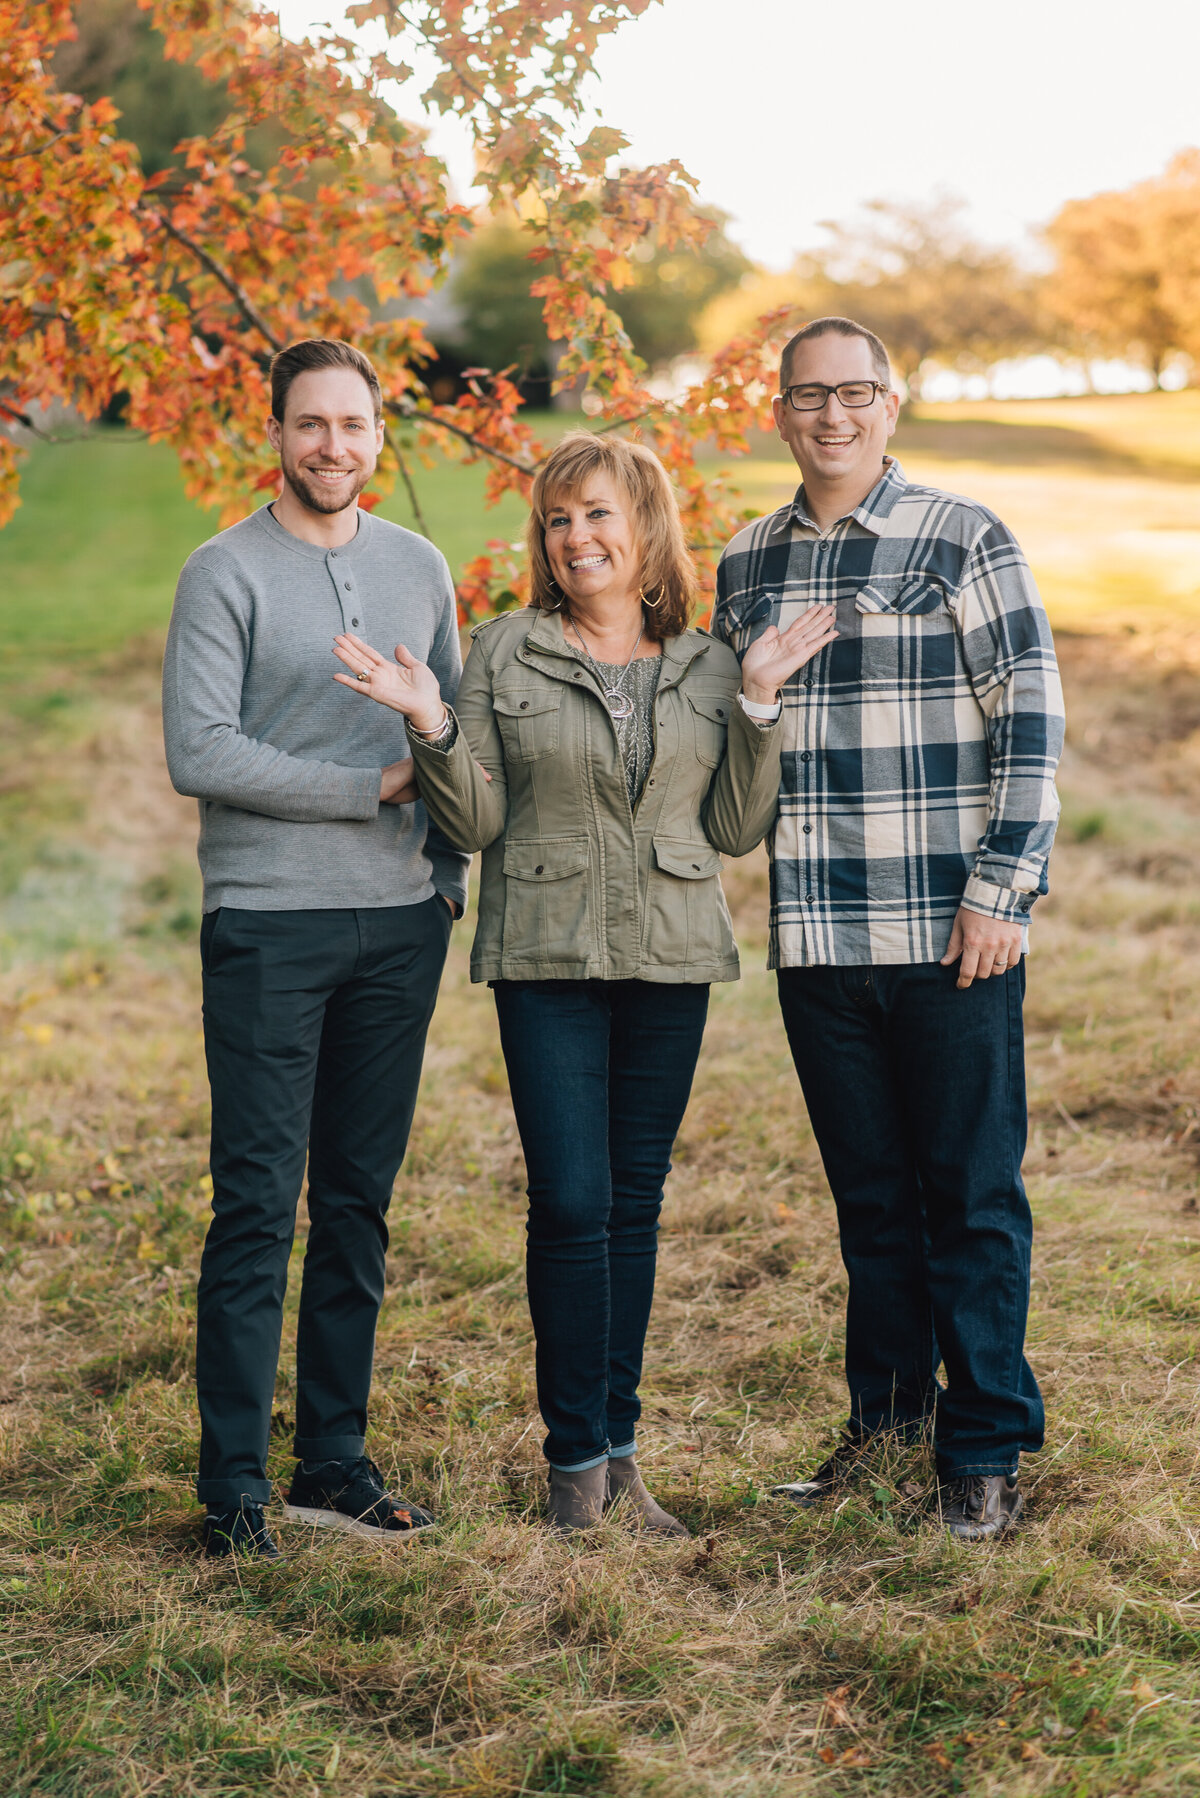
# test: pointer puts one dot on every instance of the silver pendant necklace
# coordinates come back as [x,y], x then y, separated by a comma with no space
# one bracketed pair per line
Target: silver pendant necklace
[619,704]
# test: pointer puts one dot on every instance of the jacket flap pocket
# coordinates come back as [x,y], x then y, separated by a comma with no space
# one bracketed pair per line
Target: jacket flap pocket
[526,702]
[690,861]
[547,858]
[905,596]
[716,706]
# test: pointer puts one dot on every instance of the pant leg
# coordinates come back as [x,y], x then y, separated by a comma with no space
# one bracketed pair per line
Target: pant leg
[838,1038]
[555,1038]
[368,1072]
[960,1061]
[267,978]
[655,1044]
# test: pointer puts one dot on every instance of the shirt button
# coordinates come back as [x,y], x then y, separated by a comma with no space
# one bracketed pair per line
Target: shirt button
[649,783]
[810,898]
[808,830]
[333,555]
[541,868]
[808,680]
[806,755]
[720,713]
[524,705]
[346,584]
[354,621]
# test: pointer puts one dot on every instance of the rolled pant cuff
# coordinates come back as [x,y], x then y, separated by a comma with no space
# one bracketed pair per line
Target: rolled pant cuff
[329,1448]
[977,1470]
[625,1452]
[231,1495]
[580,1466]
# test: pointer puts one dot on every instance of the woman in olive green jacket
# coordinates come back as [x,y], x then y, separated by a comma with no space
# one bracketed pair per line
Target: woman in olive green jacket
[602,756]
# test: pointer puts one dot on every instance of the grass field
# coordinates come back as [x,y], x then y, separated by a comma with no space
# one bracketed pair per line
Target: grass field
[845,1651]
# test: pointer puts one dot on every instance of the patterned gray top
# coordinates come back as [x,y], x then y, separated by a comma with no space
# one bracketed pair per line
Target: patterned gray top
[635,734]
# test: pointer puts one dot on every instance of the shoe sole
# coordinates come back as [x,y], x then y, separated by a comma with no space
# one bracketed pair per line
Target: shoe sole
[802,1497]
[1004,1528]
[350,1526]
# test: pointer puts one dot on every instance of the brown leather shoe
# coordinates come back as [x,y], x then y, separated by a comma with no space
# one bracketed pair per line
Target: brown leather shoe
[980,1506]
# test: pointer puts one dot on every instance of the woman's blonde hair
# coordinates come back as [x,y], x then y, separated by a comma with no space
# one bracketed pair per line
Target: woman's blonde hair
[668,575]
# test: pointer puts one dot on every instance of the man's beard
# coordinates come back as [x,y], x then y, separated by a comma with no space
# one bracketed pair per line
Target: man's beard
[317,497]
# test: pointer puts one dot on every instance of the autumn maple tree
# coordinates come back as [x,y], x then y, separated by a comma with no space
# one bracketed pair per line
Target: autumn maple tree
[175,290]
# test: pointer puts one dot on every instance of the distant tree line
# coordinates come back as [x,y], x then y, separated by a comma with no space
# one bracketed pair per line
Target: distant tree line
[1123,279]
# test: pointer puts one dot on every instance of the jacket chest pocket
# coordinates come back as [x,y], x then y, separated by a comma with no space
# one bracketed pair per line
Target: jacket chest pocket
[528,721]
[709,713]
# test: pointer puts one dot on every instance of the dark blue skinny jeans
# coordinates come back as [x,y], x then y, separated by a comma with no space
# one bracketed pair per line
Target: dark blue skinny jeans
[916,1093]
[600,1072]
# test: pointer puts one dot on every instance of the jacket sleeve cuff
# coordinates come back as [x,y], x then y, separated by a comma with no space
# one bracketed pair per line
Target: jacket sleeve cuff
[994,901]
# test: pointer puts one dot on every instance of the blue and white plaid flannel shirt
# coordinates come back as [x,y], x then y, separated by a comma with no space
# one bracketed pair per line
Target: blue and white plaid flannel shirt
[920,747]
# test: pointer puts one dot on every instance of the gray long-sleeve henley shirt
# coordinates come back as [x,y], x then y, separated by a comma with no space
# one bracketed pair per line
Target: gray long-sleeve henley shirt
[286,763]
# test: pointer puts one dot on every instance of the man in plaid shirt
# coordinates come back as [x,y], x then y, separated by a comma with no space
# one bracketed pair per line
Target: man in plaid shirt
[916,816]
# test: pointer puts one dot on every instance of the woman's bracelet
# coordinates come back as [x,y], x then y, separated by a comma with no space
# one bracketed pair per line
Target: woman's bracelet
[434,737]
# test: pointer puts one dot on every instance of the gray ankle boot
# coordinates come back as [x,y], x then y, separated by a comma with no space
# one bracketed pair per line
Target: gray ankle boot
[576,1499]
[625,1482]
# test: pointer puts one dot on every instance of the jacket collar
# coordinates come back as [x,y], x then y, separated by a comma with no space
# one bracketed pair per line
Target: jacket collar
[547,648]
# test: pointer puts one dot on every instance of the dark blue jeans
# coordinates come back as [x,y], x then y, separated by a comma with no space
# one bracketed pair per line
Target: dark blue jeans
[600,1072]
[916,1093]
[314,1030]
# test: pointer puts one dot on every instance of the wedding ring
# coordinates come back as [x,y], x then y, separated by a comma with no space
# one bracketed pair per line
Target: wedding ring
[365,675]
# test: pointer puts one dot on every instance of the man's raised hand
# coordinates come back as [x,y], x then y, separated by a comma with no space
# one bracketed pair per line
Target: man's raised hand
[407,686]
[775,656]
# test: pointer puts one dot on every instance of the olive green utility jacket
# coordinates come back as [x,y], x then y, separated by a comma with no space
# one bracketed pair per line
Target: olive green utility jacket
[575,884]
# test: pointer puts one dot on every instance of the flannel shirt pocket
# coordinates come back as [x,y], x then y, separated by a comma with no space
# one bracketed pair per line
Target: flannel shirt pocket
[905,598]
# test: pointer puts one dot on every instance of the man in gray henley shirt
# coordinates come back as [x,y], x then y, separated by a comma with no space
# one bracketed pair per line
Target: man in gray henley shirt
[328,901]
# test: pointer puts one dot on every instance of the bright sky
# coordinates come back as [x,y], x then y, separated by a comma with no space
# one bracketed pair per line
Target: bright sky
[1015,108]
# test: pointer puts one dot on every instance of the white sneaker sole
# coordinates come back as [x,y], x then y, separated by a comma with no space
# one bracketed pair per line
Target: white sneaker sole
[350,1526]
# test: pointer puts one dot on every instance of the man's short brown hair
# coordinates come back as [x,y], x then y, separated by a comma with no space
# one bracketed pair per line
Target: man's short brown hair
[319,352]
[837,327]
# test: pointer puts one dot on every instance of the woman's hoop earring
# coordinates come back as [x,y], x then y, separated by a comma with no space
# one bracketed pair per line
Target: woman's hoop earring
[558,604]
[653,604]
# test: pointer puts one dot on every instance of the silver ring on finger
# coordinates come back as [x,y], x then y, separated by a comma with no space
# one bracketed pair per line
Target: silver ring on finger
[365,675]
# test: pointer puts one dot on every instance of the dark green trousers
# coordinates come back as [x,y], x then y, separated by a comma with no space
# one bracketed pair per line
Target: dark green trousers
[314,1032]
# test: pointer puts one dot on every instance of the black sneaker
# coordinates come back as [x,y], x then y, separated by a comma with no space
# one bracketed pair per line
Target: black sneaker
[351,1496]
[831,1477]
[979,1506]
[240,1532]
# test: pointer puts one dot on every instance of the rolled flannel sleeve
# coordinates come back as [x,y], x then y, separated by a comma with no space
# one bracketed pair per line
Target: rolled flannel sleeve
[1009,655]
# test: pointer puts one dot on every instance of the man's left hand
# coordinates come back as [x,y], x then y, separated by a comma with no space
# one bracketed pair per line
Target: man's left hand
[987,946]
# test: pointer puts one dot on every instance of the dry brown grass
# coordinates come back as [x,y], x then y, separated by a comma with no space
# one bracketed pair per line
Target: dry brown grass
[845,1651]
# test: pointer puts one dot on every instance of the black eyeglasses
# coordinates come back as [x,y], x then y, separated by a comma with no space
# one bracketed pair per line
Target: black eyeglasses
[813,396]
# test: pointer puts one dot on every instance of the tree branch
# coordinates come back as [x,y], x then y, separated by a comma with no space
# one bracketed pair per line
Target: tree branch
[409,411]
[238,294]
[406,477]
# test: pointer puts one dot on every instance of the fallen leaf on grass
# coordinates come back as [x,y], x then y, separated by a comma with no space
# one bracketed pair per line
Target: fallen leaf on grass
[834,1714]
[937,1754]
[966,1601]
[1143,1691]
[1032,1751]
[849,1757]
